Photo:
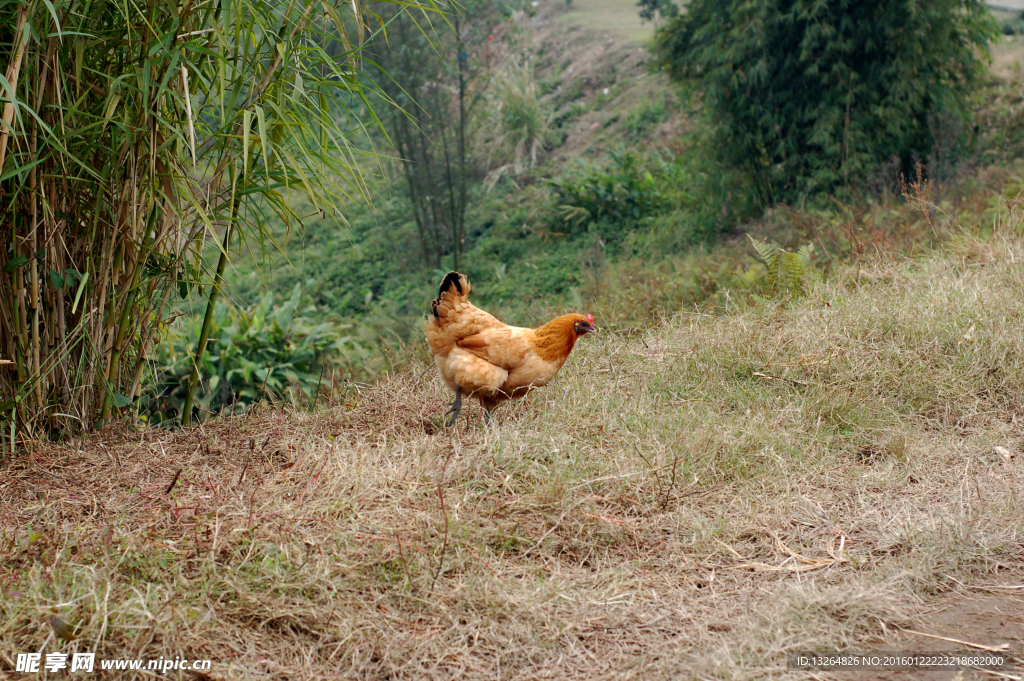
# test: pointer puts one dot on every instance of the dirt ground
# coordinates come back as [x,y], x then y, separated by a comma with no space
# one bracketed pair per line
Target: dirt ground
[992,617]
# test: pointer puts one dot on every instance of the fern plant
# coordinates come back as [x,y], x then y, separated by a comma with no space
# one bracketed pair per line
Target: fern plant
[787,271]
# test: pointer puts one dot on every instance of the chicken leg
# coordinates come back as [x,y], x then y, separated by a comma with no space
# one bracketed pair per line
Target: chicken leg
[455,407]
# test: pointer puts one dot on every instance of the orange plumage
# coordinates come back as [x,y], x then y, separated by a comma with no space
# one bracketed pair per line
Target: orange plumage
[494,362]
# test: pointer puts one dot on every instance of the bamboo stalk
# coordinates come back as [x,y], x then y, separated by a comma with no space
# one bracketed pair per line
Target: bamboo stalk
[106,139]
[12,77]
[128,306]
[98,286]
[7,315]
[150,322]
[24,367]
[60,334]
[16,310]
[34,272]
[204,333]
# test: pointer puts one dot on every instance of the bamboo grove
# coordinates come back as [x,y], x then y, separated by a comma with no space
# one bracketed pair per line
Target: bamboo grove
[136,136]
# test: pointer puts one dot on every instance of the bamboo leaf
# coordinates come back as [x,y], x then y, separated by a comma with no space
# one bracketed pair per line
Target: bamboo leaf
[111,105]
[246,125]
[11,97]
[18,170]
[171,70]
[302,177]
[56,21]
[78,294]
[188,111]
[261,119]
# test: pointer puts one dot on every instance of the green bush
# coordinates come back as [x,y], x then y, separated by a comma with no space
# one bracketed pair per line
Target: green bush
[569,93]
[274,351]
[569,113]
[521,121]
[1012,24]
[620,193]
[650,10]
[805,96]
[642,119]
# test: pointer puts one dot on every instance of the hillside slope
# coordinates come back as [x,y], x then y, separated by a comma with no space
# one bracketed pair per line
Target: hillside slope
[689,501]
[530,261]
[598,96]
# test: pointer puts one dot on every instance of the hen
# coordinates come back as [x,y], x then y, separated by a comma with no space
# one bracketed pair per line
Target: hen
[491,361]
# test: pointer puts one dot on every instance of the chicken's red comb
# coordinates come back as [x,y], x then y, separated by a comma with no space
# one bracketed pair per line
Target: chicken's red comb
[590,318]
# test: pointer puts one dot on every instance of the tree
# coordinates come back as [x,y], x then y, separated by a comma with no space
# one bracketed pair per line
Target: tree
[437,81]
[806,95]
[650,10]
[133,136]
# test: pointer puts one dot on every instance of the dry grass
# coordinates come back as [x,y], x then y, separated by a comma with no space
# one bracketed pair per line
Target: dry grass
[611,18]
[841,447]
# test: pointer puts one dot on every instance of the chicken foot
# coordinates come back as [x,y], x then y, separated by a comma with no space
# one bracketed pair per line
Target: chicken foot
[455,407]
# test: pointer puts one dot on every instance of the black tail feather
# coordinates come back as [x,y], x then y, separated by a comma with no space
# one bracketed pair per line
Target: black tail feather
[450,279]
[446,283]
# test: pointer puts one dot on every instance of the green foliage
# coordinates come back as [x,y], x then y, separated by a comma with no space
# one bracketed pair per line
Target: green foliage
[620,193]
[650,10]
[132,134]
[521,122]
[438,80]
[522,119]
[805,96]
[786,270]
[570,92]
[1010,23]
[564,117]
[643,118]
[275,351]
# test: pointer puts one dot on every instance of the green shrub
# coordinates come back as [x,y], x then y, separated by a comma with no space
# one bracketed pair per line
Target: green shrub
[569,113]
[642,119]
[570,92]
[274,351]
[650,10]
[622,193]
[1011,24]
[807,96]
[522,122]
